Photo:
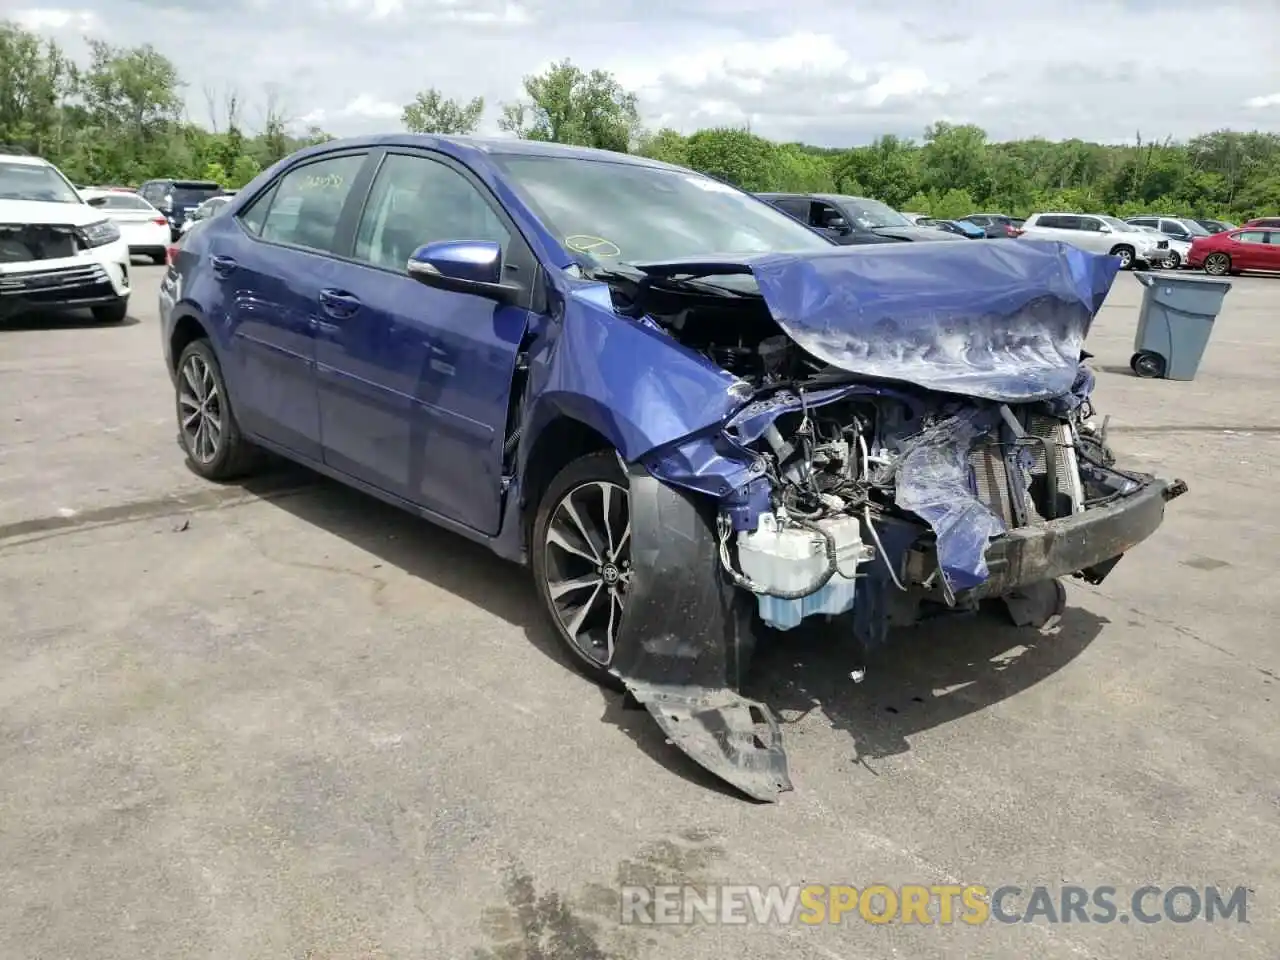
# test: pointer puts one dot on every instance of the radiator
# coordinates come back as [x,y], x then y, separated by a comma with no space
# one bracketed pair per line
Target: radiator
[991,475]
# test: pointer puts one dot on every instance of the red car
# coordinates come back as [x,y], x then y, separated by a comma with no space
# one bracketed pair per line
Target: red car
[1248,248]
[1267,223]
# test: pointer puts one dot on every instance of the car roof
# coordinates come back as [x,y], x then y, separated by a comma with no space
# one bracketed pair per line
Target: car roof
[25,158]
[498,146]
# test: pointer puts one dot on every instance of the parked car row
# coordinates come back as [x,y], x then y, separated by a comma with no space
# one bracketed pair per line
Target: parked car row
[1166,242]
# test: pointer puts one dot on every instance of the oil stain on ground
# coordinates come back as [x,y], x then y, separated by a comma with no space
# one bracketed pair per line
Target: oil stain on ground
[588,926]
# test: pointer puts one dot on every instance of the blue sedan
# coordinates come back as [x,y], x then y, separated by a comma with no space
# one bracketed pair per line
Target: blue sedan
[691,415]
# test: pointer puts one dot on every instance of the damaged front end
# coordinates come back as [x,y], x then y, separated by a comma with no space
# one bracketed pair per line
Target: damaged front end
[914,435]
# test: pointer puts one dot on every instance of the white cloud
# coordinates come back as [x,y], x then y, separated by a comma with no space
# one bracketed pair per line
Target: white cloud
[41,19]
[826,71]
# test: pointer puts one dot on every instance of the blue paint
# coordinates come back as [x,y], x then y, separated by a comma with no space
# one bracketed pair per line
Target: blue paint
[409,389]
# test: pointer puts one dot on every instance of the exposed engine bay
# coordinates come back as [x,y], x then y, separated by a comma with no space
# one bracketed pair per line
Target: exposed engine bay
[873,502]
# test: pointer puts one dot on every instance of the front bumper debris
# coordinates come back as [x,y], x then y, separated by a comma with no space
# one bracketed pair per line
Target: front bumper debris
[1087,544]
[686,641]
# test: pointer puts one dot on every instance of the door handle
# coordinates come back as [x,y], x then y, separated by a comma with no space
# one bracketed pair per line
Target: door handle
[338,303]
[222,265]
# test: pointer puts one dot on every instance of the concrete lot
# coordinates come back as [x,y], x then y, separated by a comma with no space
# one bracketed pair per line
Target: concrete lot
[287,721]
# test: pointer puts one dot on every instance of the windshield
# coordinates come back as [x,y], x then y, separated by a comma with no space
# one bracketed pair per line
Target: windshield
[870,214]
[1120,225]
[626,212]
[31,181]
[1195,229]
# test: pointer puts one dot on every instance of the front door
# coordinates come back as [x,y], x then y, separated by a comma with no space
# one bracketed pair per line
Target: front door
[414,382]
[272,263]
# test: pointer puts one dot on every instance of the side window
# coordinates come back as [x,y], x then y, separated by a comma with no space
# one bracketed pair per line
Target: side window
[1250,236]
[416,200]
[1143,222]
[821,214]
[795,206]
[256,214]
[1088,224]
[303,209]
[1271,236]
[1172,228]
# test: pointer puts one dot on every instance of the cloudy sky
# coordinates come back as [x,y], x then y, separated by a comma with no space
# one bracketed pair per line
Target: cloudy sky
[830,72]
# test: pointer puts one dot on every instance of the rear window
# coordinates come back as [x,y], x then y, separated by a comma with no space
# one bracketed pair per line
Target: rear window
[121,201]
[191,193]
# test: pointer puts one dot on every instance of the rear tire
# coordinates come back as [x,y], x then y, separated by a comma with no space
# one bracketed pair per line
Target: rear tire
[207,426]
[1125,253]
[112,312]
[1217,264]
[1174,262]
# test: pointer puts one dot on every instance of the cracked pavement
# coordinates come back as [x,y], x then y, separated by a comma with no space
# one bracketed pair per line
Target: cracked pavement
[285,720]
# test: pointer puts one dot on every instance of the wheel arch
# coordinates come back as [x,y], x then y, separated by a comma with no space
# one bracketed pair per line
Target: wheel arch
[187,328]
[560,441]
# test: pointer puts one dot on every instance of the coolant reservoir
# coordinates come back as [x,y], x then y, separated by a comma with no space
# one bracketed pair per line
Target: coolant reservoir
[784,557]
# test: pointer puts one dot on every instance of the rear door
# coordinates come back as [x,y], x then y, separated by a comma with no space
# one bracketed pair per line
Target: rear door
[1270,250]
[1249,251]
[415,382]
[272,260]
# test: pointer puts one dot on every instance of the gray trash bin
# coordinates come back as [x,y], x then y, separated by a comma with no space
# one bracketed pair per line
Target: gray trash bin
[1174,325]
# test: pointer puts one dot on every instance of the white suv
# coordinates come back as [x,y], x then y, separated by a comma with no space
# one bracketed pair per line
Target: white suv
[56,251]
[1098,234]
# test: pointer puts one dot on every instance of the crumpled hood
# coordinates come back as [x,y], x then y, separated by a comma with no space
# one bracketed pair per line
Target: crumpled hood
[1000,321]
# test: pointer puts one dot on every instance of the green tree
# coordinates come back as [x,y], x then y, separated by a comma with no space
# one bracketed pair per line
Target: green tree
[432,112]
[666,145]
[737,156]
[567,105]
[888,169]
[36,79]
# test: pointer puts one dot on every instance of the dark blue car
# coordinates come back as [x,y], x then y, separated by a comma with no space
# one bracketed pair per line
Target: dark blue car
[695,418]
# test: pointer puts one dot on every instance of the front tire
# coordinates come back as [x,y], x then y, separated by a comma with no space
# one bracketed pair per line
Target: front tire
[1174,262]
[1217,264]
[581,553]
[112,312]
[207,426]
[1125,254]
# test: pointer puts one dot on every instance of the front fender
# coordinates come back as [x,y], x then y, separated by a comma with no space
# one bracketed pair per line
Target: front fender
[623,378]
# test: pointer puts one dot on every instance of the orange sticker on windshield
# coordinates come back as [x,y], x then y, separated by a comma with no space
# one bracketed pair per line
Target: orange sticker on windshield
[592,246]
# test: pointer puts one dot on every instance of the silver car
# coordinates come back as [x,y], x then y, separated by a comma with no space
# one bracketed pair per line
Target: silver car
[1098,233]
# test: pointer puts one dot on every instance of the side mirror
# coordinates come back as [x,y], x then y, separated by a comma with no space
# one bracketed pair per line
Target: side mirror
[96,201]
[838,225]
[1103,228]
[463,266]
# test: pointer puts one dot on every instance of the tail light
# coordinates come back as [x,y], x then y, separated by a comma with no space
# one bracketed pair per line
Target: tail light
[1012,231]
[170,253]
[160,221]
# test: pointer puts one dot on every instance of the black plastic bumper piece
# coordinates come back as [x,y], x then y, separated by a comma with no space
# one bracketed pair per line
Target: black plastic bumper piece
[1088,544]
[686,641]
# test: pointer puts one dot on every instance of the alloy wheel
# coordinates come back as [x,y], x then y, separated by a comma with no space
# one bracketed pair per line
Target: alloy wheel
[1217,264]
[1126,259]
[200,410]
[588,566]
